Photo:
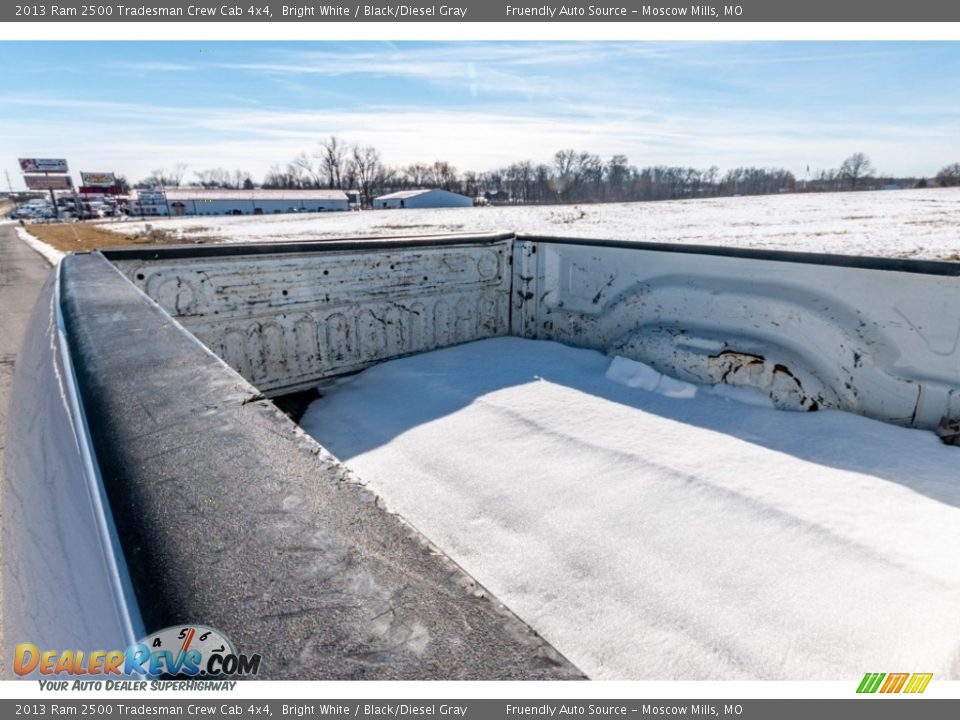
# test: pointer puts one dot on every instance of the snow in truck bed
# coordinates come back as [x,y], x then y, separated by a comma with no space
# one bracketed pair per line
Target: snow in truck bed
[665,536]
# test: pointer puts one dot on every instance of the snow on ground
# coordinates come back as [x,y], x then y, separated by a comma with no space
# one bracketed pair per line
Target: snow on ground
[657,537]
[903,223]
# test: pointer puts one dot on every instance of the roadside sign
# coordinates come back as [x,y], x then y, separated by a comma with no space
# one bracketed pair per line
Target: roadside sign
[151,197]
[98,179]
[50,165]
[48,182]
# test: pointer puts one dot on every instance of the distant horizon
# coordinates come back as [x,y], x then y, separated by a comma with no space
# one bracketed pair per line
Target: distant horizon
[804,185]
[136,107]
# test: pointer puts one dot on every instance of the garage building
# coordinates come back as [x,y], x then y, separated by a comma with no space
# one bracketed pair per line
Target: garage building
[199,201]
[435,198]
[202,201]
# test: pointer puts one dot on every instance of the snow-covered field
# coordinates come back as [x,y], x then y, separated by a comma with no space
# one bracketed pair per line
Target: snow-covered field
[668,532]
[905,223]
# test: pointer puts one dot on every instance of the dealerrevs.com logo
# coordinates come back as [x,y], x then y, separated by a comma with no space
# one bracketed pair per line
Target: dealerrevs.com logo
[889,683]
[184,651]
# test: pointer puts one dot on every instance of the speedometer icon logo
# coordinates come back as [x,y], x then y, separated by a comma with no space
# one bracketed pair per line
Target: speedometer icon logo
[192,651]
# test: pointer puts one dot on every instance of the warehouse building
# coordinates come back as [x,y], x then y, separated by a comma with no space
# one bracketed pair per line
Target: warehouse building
[435,198]
[202,201]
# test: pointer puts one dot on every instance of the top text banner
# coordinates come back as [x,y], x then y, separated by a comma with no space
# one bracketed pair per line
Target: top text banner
[486,11]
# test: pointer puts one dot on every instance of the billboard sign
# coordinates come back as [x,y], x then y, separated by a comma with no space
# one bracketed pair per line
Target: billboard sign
[48,182]
[98,179]
[151,197]
[51,165]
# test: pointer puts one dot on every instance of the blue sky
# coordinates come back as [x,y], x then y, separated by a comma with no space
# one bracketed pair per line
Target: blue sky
[131,107]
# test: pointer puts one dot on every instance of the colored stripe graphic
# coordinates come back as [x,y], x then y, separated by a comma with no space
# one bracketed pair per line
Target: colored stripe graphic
[870,682]
[894,682]
[918,683]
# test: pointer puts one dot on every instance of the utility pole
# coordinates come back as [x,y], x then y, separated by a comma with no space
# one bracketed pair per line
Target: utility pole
[53,200]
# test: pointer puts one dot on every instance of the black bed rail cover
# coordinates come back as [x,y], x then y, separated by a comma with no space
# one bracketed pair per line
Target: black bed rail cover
[230,517]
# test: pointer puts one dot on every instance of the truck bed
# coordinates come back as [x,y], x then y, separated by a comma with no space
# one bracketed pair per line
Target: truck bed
[666,532]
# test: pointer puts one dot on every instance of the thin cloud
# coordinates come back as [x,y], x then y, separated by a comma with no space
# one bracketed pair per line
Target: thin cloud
[158,67]
[482,105]
[258,138]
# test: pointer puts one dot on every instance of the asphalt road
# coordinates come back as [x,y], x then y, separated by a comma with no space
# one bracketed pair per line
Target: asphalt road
[22,273]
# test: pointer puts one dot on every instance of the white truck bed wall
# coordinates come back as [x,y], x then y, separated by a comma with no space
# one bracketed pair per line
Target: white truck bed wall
[879,338]
[55,504]
[873,336]
[286,321]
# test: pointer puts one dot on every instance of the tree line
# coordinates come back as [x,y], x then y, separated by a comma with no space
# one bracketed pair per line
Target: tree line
[570,176]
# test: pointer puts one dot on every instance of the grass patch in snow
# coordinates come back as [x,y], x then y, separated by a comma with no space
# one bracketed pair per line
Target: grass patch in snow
[84,236]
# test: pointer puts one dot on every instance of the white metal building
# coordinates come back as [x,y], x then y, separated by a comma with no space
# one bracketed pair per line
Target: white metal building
[201,201]
[435,198]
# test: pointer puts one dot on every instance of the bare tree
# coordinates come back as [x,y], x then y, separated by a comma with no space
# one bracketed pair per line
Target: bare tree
[384,178]
[525,175]
[855,168]
[308,170]
[298,176]
[572,176]
[210,178]
[332,160]
[471,183]
[176,175]
[618,174]
[221,178]
[492,184]
[289,178]
[590,173]
[442,174]
[366,166]
[348,174]
[757,181]
[415,175]
[276,178]
[575,169]
[565,162]
[949,175]
[541,182]
[167,178]
[710,179]
[519,181]
[827,180]
[240,179]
